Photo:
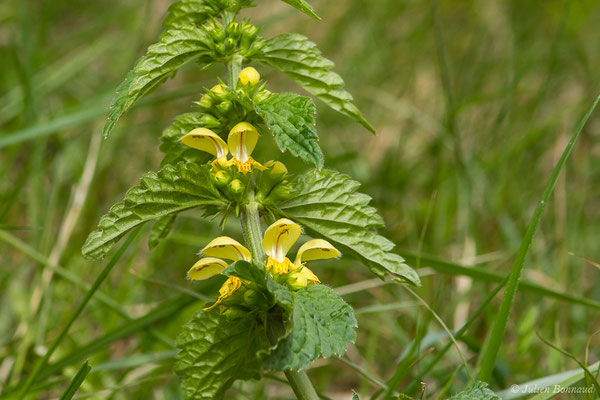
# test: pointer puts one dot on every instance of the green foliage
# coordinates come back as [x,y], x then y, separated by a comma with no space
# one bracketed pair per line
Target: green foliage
[302,6]
[320,324]
[76,381]
[173,189]
[290,117]
[193,12]
[175,47]
[328,205]
[216,351]
[476,391]
[160,229]
[301,60]
[260,280]
[174,150]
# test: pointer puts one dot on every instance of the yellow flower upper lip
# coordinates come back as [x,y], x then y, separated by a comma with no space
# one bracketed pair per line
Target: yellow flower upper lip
[241,141]
[227,248]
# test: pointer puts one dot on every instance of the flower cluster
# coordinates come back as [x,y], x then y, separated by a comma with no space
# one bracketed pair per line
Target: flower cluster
[277,241]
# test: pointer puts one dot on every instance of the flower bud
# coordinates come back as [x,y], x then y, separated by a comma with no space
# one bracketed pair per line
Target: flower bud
[230,44]
[249,75]
[236,186]
[209,121]
[252,297]
[233,29]
[249,33]
[220,89]
[225,107]
[261,96]
[222,178]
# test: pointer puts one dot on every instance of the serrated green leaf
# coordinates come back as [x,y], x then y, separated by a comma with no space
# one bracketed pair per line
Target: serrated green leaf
[301,60]
[290,117]
[173,189]
[216,351]
[175,47]
[321,323]
[257,274]
[160,229]
[193,12]
[328,205]
[302,6]
[174,150]
[476,391]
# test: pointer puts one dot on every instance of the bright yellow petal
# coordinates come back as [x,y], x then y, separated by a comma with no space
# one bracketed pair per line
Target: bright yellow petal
[303,278]
[242,141]
[316,249]
[227,248]
[229,287]
[205,140]
[206,268]
[280,237]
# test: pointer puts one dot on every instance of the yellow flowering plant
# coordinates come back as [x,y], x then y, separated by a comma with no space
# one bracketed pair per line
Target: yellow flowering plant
[271,313]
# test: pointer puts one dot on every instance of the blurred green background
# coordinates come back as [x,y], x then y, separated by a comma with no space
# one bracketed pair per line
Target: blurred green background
[473,103]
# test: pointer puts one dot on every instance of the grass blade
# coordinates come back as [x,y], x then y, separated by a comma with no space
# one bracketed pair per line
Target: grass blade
[42,362]
[479,274]
[497,332]
[76,382]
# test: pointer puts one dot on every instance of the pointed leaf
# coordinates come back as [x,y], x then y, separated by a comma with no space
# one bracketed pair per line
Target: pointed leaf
[174,150]
[301,60]
[175,47]
[302,6]
[290,118]
[320,325]
[216,351]
[327,204]
[173,189]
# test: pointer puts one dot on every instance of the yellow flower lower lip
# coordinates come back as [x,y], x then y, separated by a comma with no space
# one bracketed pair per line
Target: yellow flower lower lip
[229,287]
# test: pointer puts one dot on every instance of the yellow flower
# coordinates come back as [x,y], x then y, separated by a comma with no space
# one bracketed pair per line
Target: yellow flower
[249,75]
[277,241]
[240,143]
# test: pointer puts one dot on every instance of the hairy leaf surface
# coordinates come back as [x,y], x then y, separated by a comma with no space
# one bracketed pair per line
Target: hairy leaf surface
[321,323]
[328,205]
[176,46]
[290,117]
[300,59]
[173,189]
[174,150]
[476,391]
[216,351]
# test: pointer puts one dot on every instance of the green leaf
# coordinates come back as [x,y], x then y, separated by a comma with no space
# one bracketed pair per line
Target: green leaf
[301,60]
[328,205]
[320,325]
[302,6]
[216,351]
[290,117]
[173,189]
[257,274]
[174,150]
[160,229]
[193,12]
[76,381]
[175,47]
[476,391]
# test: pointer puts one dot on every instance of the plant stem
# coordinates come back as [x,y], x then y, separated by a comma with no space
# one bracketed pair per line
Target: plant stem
[233,69]
[250,221]
[298,380]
